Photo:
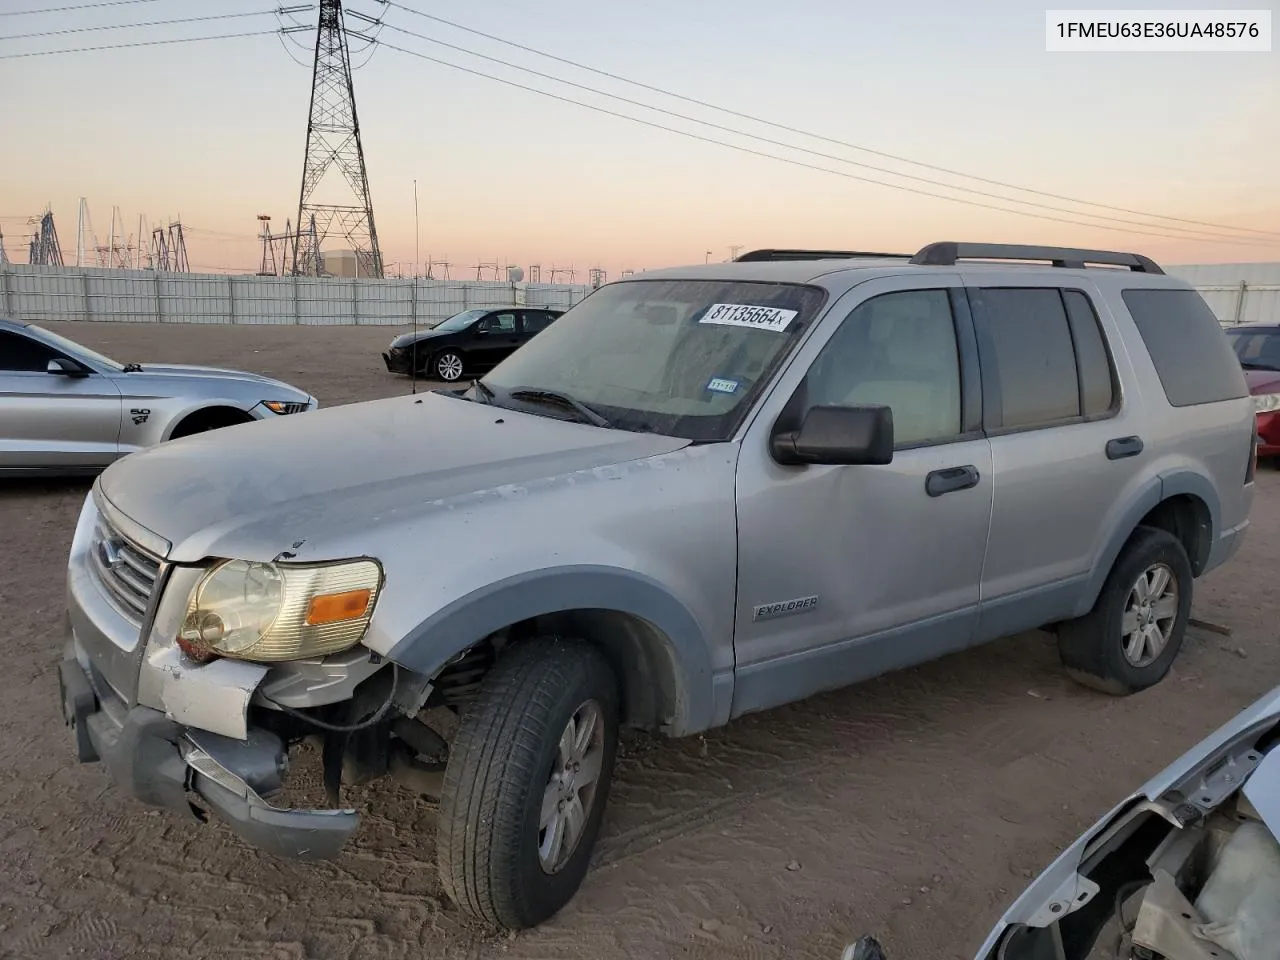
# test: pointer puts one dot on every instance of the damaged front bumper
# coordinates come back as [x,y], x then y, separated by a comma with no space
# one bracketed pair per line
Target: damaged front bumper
[189,771]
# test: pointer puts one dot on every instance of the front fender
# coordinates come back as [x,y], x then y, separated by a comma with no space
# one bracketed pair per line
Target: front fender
[455,627]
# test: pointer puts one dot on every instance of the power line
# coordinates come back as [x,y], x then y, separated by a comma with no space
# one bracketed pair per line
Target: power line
[78,6]
[147,23]
[772,156]
[1190,233]
[817,136]
[140,43]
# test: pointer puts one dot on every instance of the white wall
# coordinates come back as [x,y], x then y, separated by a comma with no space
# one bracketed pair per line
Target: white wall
[1236,292]
[144,296]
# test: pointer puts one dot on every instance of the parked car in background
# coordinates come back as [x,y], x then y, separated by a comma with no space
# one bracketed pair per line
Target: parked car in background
[65,409]
[703,492]
[1185,868]
[469,342]
[1258,348]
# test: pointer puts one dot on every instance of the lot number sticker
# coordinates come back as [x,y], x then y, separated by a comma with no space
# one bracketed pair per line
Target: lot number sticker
[723,385]
[745,315]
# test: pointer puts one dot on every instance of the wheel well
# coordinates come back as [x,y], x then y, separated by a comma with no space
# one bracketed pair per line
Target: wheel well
[1187,518]
[209,418]
[639,653]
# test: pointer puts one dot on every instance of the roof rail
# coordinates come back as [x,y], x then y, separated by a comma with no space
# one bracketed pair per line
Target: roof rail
[946,253]
[757,256]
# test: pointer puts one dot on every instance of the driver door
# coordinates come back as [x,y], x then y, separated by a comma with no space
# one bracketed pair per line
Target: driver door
[497,336]
[847,572]
[53,421]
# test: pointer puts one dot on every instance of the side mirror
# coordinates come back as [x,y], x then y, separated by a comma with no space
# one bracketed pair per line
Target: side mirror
[65,368]
[837,435]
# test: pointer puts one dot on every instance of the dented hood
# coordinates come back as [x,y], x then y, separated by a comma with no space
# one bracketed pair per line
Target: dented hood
[1183,793]
[256,489]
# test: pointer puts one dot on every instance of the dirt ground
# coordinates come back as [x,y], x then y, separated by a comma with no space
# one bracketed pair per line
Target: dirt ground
[915,806]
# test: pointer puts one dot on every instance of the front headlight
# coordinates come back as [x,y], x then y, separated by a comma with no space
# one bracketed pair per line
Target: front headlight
[272,612]
[1266,402]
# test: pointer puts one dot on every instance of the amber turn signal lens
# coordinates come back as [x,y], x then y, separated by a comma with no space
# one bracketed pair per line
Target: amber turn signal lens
[336,607]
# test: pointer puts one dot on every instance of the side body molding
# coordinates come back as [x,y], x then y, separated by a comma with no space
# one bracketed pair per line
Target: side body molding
[455,627]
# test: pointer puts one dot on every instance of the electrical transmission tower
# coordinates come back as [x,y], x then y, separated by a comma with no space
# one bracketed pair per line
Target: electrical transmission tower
[169,249]
[333,147]
[44,249]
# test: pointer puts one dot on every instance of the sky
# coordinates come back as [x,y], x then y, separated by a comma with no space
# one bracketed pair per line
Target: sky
[213,132]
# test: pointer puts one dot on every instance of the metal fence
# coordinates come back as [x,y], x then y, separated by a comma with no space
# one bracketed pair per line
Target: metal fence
[1237,293]
[144,296]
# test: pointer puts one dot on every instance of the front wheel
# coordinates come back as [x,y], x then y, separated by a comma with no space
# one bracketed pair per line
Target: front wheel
[527,781]
[448,366]
[1130,638]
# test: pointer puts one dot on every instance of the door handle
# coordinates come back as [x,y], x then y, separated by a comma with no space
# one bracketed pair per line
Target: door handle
[1122,447]
[952,478]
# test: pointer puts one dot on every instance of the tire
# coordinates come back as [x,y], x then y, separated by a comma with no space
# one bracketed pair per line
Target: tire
[502,768]
[448,366]
[1095,648]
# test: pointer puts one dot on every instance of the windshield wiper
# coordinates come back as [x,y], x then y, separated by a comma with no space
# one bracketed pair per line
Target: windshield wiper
[1258,366]
[132,368]
[537,394]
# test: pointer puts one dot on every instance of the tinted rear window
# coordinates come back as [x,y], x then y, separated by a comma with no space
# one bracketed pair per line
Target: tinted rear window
[1187,345]
[1034,357]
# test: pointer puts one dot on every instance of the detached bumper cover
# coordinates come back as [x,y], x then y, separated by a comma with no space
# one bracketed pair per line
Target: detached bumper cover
[398,361]
[164,764]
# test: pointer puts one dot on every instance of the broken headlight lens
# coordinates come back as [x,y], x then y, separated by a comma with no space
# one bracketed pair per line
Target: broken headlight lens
[273,612]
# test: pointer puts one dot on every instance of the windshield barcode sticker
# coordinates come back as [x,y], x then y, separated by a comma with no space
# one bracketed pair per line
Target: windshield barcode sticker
[745,315]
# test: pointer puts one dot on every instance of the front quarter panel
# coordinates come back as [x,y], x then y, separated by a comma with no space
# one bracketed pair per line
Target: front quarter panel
[154,406]
[654,538]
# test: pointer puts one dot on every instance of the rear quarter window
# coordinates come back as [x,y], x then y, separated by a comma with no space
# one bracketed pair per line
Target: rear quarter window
[1186,342]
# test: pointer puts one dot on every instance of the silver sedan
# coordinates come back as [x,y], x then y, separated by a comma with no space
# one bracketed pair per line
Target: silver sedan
[65,409]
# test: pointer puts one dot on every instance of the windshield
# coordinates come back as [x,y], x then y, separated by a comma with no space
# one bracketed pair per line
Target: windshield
[460,321]
[1256,349]
[76,349]
[679,357]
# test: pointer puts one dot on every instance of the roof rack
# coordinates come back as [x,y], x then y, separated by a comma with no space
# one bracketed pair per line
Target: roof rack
[946,253]
[757,256]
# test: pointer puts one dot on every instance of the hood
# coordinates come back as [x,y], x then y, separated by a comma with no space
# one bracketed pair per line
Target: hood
[188,372]
[1235,768]
[424,333]
[1262,381]
[258,488]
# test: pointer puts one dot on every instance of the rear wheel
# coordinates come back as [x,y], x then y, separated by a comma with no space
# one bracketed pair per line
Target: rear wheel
[1130,638]
[527,781]
[448,366]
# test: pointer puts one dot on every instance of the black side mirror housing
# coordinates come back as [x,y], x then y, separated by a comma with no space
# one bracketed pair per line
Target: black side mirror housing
[65,368]
[853,435]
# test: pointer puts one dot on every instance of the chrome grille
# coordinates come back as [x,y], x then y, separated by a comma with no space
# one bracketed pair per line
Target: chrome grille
[126,572]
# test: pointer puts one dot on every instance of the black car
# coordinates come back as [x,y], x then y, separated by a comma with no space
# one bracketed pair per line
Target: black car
[469,342]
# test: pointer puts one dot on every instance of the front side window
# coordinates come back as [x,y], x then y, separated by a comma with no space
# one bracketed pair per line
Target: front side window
[897,350]
[499,323]
[22,354]
[679,357]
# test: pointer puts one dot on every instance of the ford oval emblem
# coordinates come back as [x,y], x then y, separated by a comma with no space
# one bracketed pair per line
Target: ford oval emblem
[109,553]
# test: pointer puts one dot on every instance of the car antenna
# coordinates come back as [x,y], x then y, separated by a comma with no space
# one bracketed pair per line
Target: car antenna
[413,356]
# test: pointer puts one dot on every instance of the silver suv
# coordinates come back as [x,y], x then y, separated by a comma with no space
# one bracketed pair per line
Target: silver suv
[702,492]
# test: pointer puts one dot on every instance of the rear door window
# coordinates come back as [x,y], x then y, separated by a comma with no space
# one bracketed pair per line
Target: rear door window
[1186,342]
[1030,355]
